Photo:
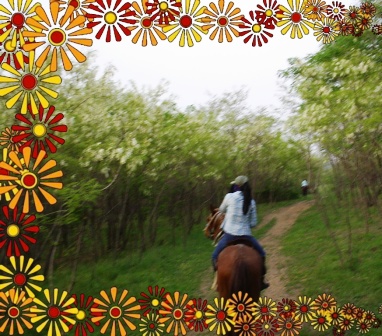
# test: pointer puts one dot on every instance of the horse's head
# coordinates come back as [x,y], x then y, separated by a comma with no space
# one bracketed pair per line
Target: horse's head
[214,220]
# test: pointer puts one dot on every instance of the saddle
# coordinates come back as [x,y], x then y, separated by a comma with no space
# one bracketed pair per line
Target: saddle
[244,241]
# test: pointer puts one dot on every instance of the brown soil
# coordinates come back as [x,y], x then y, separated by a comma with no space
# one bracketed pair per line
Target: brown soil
[276,262]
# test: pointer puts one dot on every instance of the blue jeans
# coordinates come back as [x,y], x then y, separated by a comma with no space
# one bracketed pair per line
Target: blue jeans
[227,238]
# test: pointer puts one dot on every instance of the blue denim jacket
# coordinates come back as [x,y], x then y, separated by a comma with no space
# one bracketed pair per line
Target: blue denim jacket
[235,222]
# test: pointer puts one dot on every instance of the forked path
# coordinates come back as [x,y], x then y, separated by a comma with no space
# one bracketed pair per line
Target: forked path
[276,262]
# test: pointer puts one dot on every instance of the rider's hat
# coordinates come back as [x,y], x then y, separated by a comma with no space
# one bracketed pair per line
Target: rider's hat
[240,180]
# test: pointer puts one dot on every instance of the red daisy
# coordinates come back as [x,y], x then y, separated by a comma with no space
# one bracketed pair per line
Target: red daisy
[15,231]
[377,29]
[164,11]
[195,315]
[266,14]
[115,18]
[338,331]
[39,132]
[84,323]
[336,10]
[151,302]
[286,308]
[255,31]
[266,326]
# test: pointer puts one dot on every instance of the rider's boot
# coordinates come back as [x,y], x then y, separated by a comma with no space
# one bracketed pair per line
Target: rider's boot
[215,281]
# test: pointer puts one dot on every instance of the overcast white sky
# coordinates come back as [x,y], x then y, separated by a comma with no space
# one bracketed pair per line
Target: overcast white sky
[208,68]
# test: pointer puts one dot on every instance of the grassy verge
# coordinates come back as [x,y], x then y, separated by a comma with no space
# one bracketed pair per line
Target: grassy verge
[175,267]
[335,260]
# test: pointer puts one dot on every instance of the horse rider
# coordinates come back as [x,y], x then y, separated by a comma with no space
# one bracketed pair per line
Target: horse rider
[240,216]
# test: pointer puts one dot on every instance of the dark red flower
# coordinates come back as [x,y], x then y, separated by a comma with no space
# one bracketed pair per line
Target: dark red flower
[40,129]
[15,230]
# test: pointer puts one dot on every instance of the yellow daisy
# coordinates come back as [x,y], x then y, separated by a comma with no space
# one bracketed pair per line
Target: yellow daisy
[23,276]
[60,33]
[28,83]
[220,317]
[54,312]
[187,24]
[32,179]
[294,19]
[13,20]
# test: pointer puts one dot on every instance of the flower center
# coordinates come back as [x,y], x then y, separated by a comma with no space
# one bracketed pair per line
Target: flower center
[39,130]
[220,315]
[8,46]
[13,312]
[295,17]
[155,302]
[256,28]
[54,312]
[80,315]
[163,5]
[222,21]
[326,30]
[146,22]
[20,279]
[321,320]
[57,37]
[304,309]
[240,307]
[13,230]
[198,315]
[288,325]
[18,20]
[178,314]
[75,4]
[115,312]
[245,327]
[29,82]
[110,17]
[336,10]
[268,12]
[29,180]
[185,21]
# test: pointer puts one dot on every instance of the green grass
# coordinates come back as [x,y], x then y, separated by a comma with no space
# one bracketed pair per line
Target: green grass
[316,267]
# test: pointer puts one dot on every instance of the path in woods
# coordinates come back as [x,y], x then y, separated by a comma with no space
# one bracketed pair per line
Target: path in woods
[276,262]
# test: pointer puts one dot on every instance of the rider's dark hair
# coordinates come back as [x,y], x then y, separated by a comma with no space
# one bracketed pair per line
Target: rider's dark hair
[247,193]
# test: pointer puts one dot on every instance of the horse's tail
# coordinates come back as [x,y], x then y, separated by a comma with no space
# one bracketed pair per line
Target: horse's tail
[244,278]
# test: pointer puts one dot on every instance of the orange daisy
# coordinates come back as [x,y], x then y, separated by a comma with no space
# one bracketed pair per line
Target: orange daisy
[115,311]
[222,20]
[32,177]
[60,33]
[147,27]
[15,313]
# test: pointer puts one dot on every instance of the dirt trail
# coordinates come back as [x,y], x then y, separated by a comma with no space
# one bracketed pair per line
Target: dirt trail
[276,262]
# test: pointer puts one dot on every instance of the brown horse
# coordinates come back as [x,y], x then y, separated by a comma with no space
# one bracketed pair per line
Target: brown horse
[239,265]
